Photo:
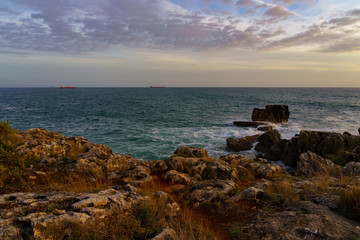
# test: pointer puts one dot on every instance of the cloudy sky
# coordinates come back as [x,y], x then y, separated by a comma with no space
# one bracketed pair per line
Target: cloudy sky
[180,43]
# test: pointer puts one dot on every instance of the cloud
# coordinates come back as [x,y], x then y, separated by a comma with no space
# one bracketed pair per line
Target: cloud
[82,26]
[279,12]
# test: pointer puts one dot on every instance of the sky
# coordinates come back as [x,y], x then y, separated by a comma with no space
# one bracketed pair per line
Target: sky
[180,43]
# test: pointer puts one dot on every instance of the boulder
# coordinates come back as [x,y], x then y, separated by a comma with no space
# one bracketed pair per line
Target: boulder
[351,169]
[248,124]
[218,170]
[194,152]
[323,143]
[311,164]
[205,191]
[304,220]
[291,152]
[272,113]
[241,144]
[234,159]
[267,140]
[175,177]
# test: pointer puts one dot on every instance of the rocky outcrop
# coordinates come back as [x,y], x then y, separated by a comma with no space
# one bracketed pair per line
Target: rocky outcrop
[267,140]
[37,213]
[241,144]
[351,169]
[271,113]
[304,220]
[310,165]
[191,152]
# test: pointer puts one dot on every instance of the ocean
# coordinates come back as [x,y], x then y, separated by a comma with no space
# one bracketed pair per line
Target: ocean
[150,123]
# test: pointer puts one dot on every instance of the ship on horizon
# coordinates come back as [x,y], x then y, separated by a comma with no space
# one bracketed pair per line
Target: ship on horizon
[157,86]
[62,87]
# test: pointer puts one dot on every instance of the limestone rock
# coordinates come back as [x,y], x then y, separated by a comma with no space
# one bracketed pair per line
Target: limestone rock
[204,191]
[195,152]
[234,159]
[351,169]
[218,170]
[175,177]
[241,144]
[305,220]
[271,113]
[310,164]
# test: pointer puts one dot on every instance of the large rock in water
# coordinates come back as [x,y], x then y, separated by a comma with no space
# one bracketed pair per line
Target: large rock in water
[241,144]
[271,113]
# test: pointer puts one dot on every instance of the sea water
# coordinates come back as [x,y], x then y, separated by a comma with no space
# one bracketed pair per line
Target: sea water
[150,123]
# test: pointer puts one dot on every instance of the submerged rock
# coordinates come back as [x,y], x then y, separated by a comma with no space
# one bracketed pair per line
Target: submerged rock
[272,113]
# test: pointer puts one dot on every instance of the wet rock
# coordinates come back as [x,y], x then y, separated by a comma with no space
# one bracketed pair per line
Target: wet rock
[175,177]
[351,169]
[249,124]
[267,140]
[265,128]
[311,164]
[305,220]
[191,152]
[271,113]
[241,144]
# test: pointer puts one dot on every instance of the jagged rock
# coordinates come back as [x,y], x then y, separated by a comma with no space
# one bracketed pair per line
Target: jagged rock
[166,234]
[204,191]
[271,113]
[305,220]
[321,143]
[218,170]
[267,140]
[175,177]
[265,128]
[191,152]
[158,166]
[351,169]
[353,156]
[182,164]
[241,144]
[249,194]
[310,164]
[249,124]
[264,170]
[234,159]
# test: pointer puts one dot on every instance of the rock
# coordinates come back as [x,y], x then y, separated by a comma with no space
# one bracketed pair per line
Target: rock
[265,170]
[271,113]
[351,169]
[248,124]
[203,192]
[194,152]
[291,152]
[324,144]
[175,177]
[265,128]
[234,159]
[331,201]
[218,170]
[249,194]
[182,164]
[359,130]
[310,165]
[305,220]
[242,144]
[267,140]
[158,166]
[166,234]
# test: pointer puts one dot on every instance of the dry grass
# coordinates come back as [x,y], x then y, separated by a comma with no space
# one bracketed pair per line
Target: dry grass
[350,203]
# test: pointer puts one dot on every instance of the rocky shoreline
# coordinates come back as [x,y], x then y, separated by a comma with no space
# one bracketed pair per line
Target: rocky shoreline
[231,197]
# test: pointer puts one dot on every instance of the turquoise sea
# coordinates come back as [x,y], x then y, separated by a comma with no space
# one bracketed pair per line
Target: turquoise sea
[151,123]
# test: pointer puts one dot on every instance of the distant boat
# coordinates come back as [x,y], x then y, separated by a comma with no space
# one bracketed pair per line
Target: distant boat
[157,87]
[62,87]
